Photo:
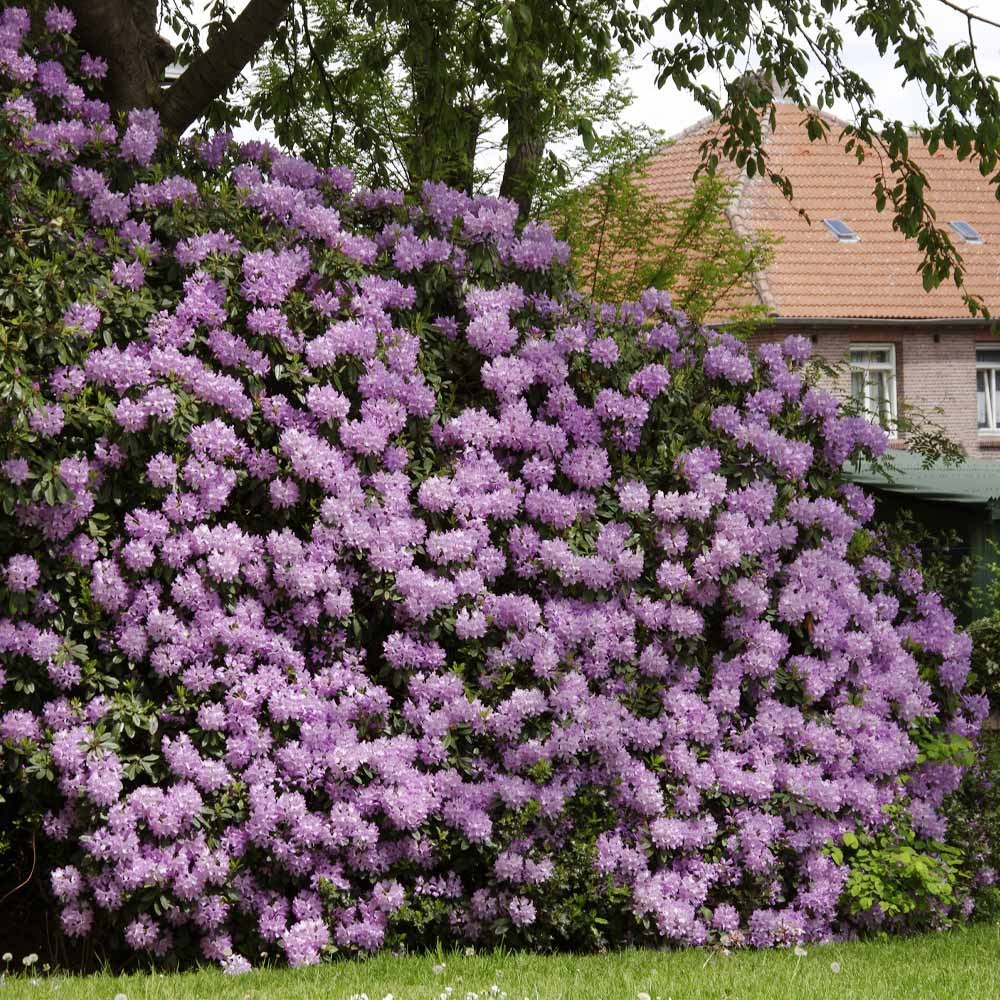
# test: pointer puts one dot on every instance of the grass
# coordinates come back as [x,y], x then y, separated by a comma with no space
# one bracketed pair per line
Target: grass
[960,965]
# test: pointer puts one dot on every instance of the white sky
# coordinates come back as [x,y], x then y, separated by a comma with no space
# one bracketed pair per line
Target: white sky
[672,111]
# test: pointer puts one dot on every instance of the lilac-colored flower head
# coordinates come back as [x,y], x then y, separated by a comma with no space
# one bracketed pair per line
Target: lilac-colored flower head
[82,317]
[59,19]
[22,573]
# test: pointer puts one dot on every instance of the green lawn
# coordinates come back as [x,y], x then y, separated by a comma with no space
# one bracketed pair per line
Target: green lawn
[962,965]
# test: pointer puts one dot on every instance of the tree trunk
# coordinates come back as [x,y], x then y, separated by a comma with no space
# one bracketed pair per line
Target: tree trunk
[520,171]
[123,33]
[471,117]
[446,120]
[215,70]
[525,142]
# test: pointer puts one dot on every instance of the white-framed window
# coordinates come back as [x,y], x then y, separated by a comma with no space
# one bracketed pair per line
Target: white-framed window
[873,383]
[987,387]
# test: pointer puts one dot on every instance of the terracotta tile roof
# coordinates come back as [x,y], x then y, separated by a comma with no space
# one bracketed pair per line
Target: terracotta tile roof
[815,275]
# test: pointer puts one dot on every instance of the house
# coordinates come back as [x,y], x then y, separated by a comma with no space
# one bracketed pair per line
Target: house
[844,278]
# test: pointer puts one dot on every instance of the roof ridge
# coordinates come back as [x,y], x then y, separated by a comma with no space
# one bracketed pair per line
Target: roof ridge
[706,120]
[822,112]
[684,133]
[835,119]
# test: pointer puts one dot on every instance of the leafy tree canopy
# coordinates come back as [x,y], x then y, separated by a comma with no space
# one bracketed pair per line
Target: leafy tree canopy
[435,91]
[625,239]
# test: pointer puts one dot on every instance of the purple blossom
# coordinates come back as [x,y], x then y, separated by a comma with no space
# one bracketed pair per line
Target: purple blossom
[128,275]
[268,277]
[522,912]
[16,470]
[604,350]
[93,67]
[141,137]
[304,942]
[194,249]
[82,316]
[59,19]
[51,78]
[47,420]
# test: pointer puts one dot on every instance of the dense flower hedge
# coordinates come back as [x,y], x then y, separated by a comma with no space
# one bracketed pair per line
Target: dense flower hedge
[361,583]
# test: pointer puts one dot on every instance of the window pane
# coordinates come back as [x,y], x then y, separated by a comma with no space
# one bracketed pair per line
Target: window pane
[864,357]
[872,397]
[841,230]
[885,414]
[988,356]
[858,389]
[981,400]
[966,231]
[873,373]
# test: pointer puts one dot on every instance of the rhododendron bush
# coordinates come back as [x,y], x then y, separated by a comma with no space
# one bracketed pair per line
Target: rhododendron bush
[363,584]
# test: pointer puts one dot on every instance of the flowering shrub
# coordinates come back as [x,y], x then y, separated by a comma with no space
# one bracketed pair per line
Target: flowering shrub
[361,583]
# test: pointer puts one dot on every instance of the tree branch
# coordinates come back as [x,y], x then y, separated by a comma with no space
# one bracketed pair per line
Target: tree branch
[34,862]
[216,69]
[324,78]
[969,13]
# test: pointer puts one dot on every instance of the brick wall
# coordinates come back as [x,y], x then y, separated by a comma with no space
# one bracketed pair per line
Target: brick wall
[935,369]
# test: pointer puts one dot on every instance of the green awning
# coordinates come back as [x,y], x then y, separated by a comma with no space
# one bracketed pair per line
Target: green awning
[976,481]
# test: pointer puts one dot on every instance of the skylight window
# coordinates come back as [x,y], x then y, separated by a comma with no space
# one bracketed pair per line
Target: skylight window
[841,230]
[967,232]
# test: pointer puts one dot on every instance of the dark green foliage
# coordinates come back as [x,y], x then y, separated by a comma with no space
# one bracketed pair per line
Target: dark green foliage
[974,818]
[985,633]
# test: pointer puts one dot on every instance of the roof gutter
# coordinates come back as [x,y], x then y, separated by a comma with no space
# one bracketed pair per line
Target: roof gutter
[835,321]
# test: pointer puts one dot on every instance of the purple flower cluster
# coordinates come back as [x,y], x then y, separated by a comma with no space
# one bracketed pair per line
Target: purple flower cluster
[404,591]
